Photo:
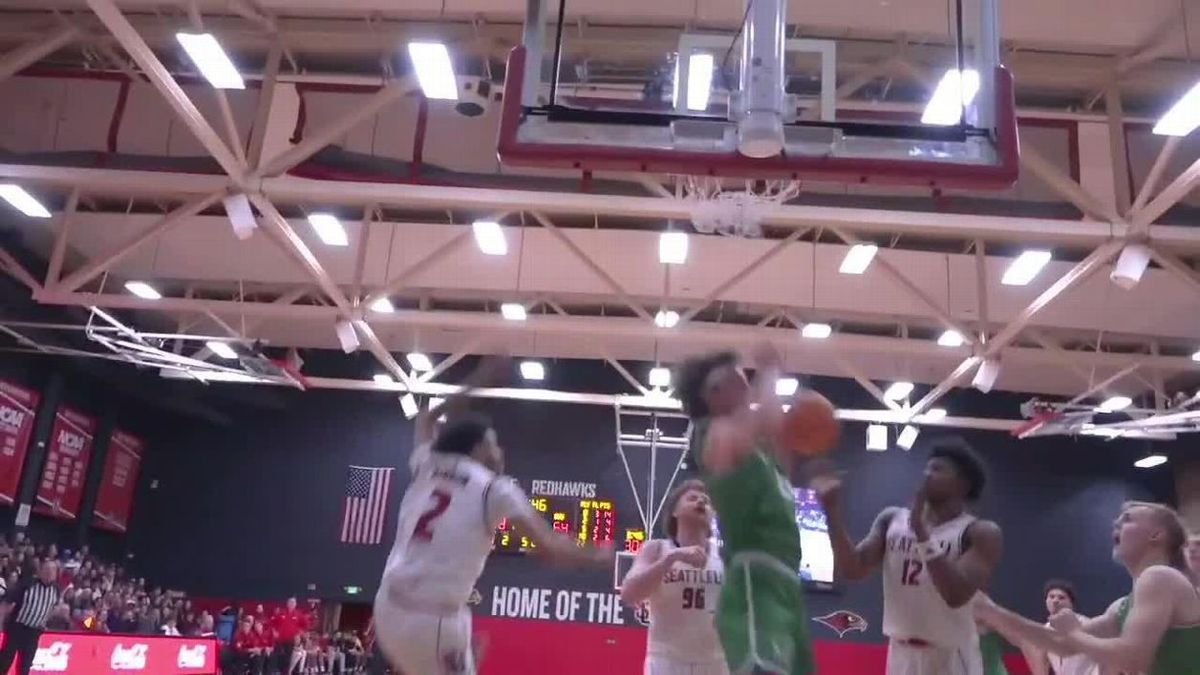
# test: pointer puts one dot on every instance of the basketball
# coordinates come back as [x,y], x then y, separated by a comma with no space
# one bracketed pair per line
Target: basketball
[810,428]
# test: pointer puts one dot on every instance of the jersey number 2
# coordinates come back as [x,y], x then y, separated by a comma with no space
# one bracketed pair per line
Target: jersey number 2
[441,502]
[693,598]
[912,569]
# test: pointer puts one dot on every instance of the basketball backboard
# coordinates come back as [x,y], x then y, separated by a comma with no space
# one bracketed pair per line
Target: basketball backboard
[762,96]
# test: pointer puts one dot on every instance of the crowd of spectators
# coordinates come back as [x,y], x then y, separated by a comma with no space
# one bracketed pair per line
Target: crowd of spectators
[101,597]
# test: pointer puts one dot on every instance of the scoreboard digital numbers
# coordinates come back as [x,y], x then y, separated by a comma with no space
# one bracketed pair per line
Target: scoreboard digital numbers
[587,521]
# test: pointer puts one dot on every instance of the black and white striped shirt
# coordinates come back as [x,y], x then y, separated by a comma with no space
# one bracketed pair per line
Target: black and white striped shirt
[33,603]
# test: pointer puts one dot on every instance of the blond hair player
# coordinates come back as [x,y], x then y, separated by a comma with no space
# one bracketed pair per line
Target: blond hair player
[680,578]
[447,523]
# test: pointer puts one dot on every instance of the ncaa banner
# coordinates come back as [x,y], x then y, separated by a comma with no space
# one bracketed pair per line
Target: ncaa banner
[61,488]
[18,407]
[93,654]
[114,501]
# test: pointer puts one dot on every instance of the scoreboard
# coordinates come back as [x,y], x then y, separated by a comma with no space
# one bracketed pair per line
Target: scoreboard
[587,521]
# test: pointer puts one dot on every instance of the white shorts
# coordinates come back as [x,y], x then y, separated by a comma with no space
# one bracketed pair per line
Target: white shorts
[661,665]
[904,659]
[425,644]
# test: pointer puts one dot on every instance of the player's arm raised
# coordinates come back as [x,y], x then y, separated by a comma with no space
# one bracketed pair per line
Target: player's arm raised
[851,561]
[1133,648]
[1032,635]
[491,369]
[733,437]
[958,582]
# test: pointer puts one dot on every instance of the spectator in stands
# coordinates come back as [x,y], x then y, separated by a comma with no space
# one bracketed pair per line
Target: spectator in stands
[60,618]
[170,627]
[205,627]
[149,622]
[264,641]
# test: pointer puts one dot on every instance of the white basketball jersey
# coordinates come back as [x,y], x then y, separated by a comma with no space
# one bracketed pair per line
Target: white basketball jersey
[683,608]
[1078,664]
[447,521]
[912,607]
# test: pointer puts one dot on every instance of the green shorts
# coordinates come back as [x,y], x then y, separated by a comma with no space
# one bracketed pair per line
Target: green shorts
[762,618]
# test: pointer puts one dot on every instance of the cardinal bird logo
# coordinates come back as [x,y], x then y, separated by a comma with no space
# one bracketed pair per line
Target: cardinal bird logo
[843,622]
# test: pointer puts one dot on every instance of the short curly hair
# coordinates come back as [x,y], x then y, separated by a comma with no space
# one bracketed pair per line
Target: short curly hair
[968,465]
[670,523]
[691,376]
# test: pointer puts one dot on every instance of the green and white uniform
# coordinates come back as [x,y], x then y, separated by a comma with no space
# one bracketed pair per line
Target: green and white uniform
[761,616]
[1179,651]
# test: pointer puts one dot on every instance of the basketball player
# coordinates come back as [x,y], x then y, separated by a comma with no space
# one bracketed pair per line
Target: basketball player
[1155,630]
[934,555]
[680,577]
[447,522]
[1060,596]
[761,617]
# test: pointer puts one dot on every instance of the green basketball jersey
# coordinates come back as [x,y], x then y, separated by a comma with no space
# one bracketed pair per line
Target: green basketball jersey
[1179,651]
[991,648]
[755,505]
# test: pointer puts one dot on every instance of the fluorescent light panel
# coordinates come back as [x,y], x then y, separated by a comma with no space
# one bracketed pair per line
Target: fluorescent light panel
[533,370]
[212,61]
[1026,266]
[858,258]
[786,386]
[953,94]
[672,248]
[329,229]
[383,306]
[877,437]
[908,437]
[1196,357]
[143,290]
[221,349]
[490,237]
[898,391]
[431,60]
[1183,117]
[23,201]
[513,311]
[660,377]
[700,75]
[950,338]
[816,331]
[666,318]
[408,403]
[419,362]
[1115,403]
[1150,461]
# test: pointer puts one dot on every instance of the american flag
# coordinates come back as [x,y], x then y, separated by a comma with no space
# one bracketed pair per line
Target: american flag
[366,504]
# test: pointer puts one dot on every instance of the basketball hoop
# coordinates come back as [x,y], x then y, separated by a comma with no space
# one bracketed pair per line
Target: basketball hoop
[716,210]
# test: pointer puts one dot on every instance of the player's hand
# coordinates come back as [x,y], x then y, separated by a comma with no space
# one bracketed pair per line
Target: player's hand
[982,606]
[695,556]
[828,486]
[1065,621]
[766,356]
[916,515]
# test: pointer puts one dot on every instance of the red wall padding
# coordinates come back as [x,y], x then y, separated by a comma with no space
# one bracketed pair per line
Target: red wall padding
[531,647]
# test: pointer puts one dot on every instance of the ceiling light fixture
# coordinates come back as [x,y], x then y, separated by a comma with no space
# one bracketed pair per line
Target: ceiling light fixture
[383,306]
[700,76]
[533,370]
[950,338]
[221,349]
[419,362]
[877,437]
[908,437]
[985,378]
[898,391]
[1130,266]
[786,386]
[143,290]
[666,318]
[1114,404]
[1150,461]
[672,248]
[211,60]
[22,201]
[1183,117]
[858,258]
[513,311]
[435,72]
[329,229]
[934,415]
[1025,267]
[816,331]
[241,216]
[660,377]
[408,403]
[490,237]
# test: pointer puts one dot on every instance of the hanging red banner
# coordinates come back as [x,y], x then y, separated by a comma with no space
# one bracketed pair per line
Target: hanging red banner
[18,407]
[114,501]
[67,454]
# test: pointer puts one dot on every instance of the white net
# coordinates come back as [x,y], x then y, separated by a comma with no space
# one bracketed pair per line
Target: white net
[716,209]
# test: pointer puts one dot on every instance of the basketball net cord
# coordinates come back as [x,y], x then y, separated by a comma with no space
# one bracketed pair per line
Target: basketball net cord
[717,210]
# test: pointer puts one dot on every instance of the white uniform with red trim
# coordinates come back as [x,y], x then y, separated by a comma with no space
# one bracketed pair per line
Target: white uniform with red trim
[447,521]
[928,637]
[683,638]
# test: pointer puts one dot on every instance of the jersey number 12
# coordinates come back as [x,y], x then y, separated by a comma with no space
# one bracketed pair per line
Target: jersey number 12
[910,572]
[441,502]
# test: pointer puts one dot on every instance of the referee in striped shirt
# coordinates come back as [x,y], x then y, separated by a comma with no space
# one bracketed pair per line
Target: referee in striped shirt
[29,605]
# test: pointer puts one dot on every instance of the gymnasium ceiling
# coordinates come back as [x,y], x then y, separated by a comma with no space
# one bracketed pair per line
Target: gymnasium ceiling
[583,258]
